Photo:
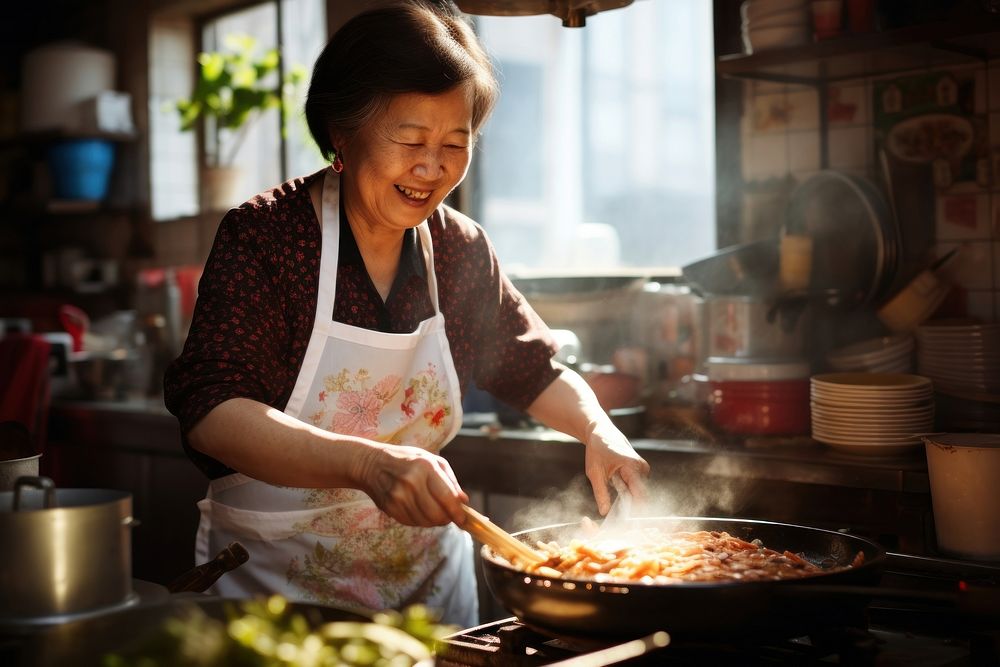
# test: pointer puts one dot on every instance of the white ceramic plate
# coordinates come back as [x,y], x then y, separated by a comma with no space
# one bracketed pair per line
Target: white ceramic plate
[923,139]
[872,404]
[871,412]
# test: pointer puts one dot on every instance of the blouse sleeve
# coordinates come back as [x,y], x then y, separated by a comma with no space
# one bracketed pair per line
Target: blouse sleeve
[238,341]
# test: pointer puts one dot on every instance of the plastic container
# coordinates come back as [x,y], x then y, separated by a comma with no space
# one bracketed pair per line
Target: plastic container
[81,169]
[964,472]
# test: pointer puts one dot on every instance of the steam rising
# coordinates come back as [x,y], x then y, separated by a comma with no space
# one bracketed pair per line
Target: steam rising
[715,488]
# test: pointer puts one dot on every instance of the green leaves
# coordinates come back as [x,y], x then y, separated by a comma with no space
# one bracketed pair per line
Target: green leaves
[269,633]
[235,84]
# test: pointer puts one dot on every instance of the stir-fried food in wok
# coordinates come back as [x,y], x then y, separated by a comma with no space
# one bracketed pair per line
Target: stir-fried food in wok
[658,556]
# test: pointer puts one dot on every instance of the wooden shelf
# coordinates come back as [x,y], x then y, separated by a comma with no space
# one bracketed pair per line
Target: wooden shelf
[936,44]
[52,136]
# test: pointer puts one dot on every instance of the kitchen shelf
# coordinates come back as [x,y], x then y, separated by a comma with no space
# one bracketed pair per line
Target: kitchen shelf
[929,45]
[52,136]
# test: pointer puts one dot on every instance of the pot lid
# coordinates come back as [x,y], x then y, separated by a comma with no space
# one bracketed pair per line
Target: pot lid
[753,369]
[855,240]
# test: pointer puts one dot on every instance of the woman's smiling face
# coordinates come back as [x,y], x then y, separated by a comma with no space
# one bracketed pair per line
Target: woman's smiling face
[400,169]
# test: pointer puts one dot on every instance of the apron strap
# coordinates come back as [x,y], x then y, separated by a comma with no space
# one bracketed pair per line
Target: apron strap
[330,251]
[424,232]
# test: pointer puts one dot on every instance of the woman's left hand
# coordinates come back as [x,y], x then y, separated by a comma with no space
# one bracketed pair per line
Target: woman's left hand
[609,453]
[568,405]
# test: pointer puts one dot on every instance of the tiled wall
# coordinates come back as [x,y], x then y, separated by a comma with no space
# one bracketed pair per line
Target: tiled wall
[781,147]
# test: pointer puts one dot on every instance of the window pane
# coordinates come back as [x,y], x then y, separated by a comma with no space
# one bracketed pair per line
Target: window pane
[173,168]
[304,28]
[601,152]
[255,147]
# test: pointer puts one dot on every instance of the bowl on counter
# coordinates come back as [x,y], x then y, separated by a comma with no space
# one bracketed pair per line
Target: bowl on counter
[106,376]
[614,389]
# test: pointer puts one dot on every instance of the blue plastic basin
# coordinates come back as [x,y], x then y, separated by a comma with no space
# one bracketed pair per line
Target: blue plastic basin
[81,168]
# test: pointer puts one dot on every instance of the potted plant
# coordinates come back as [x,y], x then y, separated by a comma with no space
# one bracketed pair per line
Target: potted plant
[235,85]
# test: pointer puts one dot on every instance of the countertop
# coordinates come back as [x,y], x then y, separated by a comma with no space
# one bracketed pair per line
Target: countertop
[145,425]
[136,446]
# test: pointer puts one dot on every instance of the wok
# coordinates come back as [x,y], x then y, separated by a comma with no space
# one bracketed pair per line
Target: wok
[610,611]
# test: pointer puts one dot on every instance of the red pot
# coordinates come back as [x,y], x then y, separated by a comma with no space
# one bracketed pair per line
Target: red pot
[777,407]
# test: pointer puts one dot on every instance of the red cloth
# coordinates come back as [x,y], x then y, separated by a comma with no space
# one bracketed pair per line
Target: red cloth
[24,383]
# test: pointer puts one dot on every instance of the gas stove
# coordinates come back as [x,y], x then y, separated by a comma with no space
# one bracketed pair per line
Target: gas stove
[916,632]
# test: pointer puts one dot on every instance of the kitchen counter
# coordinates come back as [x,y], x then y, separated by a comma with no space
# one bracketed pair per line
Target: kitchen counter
[799,460]
[135,446]
[146,426]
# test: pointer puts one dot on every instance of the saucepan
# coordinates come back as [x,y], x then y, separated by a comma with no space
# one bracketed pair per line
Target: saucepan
[68,551]
[579,608]
[18,457]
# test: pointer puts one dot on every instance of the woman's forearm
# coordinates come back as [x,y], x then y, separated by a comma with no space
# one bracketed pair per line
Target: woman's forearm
[569,405]
[266,444]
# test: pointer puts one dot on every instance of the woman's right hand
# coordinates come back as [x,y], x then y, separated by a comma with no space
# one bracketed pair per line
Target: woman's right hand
[413,486]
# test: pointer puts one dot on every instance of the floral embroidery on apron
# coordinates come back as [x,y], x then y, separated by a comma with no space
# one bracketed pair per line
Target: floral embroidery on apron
[419,415]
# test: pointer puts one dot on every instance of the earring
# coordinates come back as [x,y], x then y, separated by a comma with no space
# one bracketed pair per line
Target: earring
[338,164]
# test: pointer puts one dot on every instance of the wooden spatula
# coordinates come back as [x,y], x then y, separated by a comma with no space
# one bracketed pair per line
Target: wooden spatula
[508,546]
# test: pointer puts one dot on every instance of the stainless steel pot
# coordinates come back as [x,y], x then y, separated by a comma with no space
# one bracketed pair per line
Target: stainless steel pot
[68,550]
[753,326]
[13,469]
[17,455]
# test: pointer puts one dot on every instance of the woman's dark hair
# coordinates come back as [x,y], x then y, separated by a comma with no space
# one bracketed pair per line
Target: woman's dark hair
[415,46]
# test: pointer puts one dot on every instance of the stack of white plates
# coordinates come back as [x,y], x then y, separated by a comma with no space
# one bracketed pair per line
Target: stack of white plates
[888,354]
[960,354]
[871,414]
[775,24]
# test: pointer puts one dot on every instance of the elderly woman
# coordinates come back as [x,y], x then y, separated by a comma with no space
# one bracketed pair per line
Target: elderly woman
[339,319]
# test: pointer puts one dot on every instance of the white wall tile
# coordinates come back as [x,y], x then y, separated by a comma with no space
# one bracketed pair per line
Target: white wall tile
[803,152]
[765,157]
[803,109]
[770,113]
[962,216]
[848,147]
[849,105]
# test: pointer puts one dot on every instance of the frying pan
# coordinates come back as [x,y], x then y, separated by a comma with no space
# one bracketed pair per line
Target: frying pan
[579,608]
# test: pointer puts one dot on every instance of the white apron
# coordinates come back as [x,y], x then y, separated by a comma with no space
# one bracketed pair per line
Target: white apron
[334,546]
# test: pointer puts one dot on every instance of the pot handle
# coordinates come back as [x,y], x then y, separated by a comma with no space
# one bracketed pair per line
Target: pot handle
[42,483]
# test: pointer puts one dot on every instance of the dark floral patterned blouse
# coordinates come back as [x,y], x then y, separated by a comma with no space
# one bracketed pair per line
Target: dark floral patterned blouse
[257,301]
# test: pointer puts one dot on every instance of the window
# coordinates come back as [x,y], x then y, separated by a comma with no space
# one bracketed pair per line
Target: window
[266,153]
[600,154]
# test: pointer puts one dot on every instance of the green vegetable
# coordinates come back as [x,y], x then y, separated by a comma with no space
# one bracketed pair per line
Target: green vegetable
[267,633]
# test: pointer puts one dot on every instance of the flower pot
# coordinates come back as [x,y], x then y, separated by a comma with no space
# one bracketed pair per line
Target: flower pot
[221,188]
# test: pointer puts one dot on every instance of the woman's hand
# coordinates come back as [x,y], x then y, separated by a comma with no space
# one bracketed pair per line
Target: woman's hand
[609,453]
[413,486]
[569,405]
